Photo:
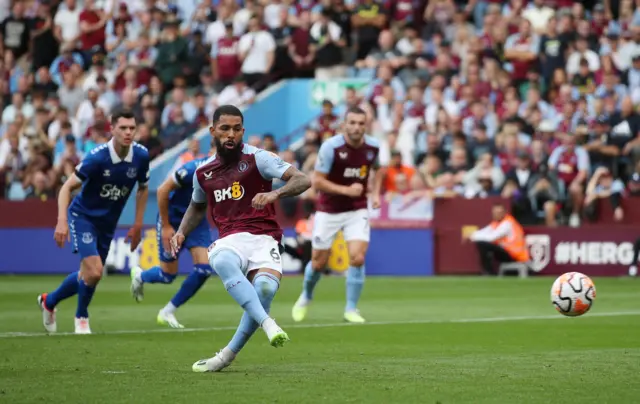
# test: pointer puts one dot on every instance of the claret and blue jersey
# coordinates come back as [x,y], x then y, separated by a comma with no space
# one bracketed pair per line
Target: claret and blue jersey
[107,182]
[179,201]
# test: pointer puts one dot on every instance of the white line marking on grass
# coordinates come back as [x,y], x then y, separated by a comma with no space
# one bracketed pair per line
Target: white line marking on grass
[331,325]
[113,372]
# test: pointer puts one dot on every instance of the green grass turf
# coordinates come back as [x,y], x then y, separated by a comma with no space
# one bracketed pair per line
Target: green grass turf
[416,354]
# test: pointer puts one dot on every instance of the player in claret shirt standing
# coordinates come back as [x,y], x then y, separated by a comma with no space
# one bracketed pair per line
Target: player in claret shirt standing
[234,188]
[107,176]
[341,175]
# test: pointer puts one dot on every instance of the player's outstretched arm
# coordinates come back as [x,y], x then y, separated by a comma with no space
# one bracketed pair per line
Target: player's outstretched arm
[296,183]
[64,199]
[193,217]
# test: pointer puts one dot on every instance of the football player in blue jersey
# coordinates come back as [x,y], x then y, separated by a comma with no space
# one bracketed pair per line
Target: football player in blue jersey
[107,176]
[174,196]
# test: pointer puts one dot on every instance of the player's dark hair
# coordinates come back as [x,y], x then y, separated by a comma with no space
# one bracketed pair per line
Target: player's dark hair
[355,110]
[227,110]
[123,113]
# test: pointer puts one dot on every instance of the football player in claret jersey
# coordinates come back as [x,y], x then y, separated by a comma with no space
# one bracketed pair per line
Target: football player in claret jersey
[174,196]
[341,175]
[234,188]
[107,176]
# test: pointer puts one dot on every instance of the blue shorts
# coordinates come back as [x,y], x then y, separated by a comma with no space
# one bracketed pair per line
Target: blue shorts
[87,239]
[199,237]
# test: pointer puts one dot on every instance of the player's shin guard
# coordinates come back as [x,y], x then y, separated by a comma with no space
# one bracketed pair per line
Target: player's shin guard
[191,284]
[355,282]
[311,278]
[266,285]
[156,275]
[67,288]
[227,265]
[85,294]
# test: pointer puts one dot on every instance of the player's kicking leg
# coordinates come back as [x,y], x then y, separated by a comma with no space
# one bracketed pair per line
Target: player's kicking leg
[254,297]
[266,285]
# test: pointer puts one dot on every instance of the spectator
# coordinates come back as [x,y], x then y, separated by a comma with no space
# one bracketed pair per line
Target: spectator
[269,143]
[173,54]
[369,18]
[397,176]
[602,185]
[327,123]
[67,24]
[237,93]
[327,43]
[177,130]
[571,164]
[143,136]
[40,188]
[67,161]
[17,106]
[257,53]
[15,31]
[225,57]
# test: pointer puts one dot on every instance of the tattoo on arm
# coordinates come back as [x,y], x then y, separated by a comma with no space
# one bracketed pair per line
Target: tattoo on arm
[193,217]
[296,183]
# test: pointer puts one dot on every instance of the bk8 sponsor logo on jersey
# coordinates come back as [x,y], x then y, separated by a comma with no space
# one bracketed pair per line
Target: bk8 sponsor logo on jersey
[234,192]
[355,172]
[113,192]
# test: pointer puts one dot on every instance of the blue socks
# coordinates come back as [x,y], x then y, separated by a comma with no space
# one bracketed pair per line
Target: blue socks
[85,294]
[311,278]
[355,282]
[191,284]
[228,266]
[155,275]
[266,286]
[67,288]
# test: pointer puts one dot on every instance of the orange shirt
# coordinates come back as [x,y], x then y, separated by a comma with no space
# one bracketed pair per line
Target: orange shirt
[394,174]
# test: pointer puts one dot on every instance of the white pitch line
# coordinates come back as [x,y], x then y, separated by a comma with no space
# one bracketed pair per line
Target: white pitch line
[327,325]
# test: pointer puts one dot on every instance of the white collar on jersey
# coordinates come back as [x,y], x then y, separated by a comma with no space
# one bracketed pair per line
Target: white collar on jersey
[115,159]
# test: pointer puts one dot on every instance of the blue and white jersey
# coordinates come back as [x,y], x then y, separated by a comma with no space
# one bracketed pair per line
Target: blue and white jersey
[107,182]
[180,199]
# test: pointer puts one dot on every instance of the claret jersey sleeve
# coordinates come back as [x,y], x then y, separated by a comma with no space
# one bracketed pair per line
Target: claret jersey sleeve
[270,165]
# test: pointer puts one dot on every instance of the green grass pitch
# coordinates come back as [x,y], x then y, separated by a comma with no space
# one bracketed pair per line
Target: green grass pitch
[429,340]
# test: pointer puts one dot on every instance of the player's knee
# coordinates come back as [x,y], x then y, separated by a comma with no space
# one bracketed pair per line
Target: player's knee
[356,259]
[169,268]
[226,263]
[319,263]
[266,286]
[92,274]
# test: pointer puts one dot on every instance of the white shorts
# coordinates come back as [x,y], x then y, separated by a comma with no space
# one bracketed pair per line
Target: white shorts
[255,251]
[354,226]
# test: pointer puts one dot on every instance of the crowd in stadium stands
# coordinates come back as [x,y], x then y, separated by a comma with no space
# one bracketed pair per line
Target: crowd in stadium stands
[533,100]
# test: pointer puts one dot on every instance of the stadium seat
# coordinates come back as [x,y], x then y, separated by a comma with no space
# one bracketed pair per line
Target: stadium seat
[522,268]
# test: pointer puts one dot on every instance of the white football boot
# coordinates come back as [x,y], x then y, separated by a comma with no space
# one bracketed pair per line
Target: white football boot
[220,361]
[48,316]
[82,326]
[137,286]
[167,318]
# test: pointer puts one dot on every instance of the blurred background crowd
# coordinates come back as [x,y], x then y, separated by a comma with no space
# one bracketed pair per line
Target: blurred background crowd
[533,100]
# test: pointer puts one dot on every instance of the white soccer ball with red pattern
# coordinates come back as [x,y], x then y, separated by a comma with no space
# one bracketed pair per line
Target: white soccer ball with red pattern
[573,294]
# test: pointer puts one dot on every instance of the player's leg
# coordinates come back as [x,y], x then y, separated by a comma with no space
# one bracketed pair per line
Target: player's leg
[325,228]
[633,269]
[357,235]
[49,301]
[266,283]
[192,283]
[84,239]
[91,270]
[165,273]
[230,263]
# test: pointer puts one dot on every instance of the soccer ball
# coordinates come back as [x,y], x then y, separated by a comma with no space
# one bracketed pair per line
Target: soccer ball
[573,294]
